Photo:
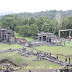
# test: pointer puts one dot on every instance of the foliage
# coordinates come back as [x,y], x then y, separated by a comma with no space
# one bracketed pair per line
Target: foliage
[55,26]
[34,30]
[24,30]
[9,21]
[67,22]
[31,21]
[31,26]
[51,13]
[23,61]
[28,26]
[47,27]
[62,51]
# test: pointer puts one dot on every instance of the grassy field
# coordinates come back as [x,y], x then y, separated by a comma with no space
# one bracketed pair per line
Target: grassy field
[16,58]
[66,51]
[24,61]
[27,38]
[12,46]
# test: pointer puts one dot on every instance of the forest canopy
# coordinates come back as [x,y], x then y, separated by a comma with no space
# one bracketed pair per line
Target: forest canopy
[30,26]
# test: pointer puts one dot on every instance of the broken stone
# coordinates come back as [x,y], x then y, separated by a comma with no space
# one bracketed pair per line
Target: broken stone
[24,49]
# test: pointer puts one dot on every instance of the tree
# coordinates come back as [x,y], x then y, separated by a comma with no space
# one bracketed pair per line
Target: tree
[31,21]
[17,28]
[34,30]
[9,21]
[47,27]
[24,30]
[66,24]
[55,26]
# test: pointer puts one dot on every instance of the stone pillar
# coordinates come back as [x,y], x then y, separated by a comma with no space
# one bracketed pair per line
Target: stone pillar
[24,49]
[32,52]
[44,54]
[47,39]
[7,38]
[41,38]
[2,35]
[38,56]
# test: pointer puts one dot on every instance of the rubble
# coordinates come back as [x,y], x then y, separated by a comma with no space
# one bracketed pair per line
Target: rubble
[8,66]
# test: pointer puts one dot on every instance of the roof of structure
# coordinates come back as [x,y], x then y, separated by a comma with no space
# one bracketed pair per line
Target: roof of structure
[44,33]
[2,29]
[66,30]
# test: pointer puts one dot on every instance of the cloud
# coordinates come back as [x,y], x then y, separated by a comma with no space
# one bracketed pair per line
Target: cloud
[34,5]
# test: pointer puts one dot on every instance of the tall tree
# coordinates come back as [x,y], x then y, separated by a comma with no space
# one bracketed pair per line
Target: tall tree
[47,27]
[24,30]
[67,22]
[31,21]
[34,29]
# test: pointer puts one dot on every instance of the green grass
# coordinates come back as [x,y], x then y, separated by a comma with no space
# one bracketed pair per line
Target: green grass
[27,38]
[28,61]
[66,51]
[7,46]
[21,60]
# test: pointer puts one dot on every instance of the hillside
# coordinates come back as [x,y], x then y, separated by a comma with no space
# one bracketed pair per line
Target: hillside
[51,13]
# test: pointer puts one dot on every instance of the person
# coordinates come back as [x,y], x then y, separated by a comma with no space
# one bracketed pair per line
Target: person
[69,39]
[50,54]
[64,43]
[57,56]
[29,70]
[66,59]
[69,60]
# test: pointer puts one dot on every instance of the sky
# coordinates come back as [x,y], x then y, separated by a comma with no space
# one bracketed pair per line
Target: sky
[34,5]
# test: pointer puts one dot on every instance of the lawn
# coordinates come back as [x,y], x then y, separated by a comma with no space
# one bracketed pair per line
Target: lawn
[27,38]
[7,46]
[28,61]
[16,58]
[66,51]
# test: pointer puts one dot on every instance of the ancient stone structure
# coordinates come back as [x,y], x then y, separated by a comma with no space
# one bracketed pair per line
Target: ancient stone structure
[6,35]
[48,37]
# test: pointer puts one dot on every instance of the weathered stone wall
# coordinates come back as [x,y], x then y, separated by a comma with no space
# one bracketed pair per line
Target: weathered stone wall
[6,34]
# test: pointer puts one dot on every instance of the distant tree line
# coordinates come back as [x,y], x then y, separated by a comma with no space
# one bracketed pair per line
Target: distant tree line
[32,26]
[51,13]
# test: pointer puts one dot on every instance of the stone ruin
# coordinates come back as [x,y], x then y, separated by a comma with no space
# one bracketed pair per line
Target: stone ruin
[6,35]
[44,39]
[8,66]
[25,52]
[48,37]
[40,55]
